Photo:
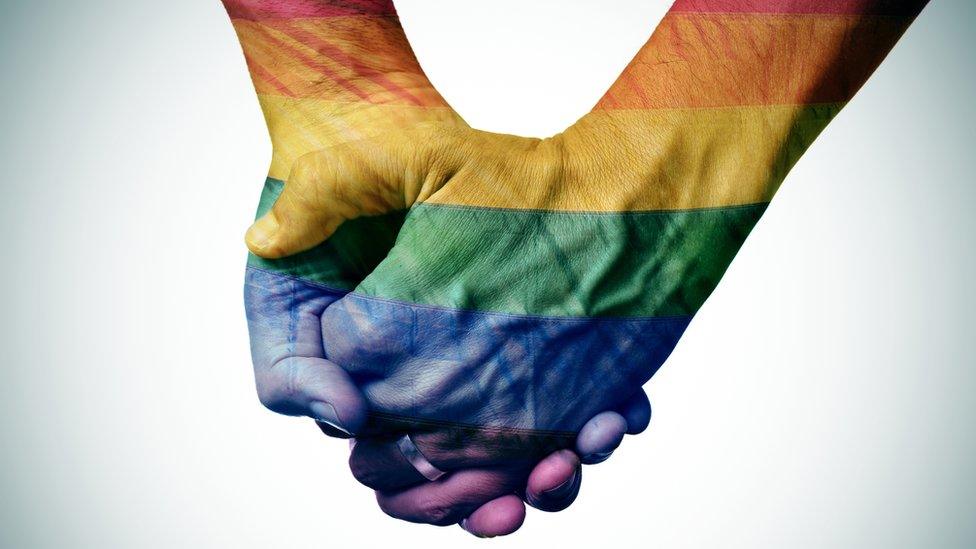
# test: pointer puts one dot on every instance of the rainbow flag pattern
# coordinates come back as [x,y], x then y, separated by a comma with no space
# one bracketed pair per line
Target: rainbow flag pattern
[512,288]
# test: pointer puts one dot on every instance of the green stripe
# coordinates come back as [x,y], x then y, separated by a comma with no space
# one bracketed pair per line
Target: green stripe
[562,264]
[345,259]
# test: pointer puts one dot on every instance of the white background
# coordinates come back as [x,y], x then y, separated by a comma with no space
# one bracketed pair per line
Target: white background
[824,397]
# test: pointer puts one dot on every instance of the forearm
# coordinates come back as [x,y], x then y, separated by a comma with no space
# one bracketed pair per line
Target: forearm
[330,71]
[728,94]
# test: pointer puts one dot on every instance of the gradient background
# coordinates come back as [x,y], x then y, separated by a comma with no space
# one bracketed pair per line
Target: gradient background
[824,397]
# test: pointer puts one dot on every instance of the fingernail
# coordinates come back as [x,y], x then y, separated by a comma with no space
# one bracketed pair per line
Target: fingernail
[597,457]
[558,492]
[261,231]
[323,412]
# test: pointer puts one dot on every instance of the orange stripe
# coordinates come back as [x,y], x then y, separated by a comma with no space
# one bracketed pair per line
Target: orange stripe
[341,58]
[296,77]
[311,63]
[718,60]
[336,54]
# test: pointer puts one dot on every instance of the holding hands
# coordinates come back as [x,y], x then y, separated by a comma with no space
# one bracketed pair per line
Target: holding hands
[480,310]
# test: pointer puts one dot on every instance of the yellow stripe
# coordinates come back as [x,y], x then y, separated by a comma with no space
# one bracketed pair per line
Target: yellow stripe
[302,125]
[664,159]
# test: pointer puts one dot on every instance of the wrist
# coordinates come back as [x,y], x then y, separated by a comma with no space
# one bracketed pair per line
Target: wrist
[680,159]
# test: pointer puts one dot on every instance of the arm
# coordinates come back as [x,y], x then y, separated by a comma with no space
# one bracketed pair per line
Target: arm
[325,73]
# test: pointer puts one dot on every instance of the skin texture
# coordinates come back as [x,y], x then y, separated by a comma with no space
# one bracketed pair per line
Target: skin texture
[632,214]
[329,73]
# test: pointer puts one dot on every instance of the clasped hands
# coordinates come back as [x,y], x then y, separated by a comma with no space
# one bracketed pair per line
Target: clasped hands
[499,300]
[477,335]
[480,311]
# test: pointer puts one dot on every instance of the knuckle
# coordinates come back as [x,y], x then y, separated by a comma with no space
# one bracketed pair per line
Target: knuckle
[278,390]
[268,395]
[304,169]
[308,179]
[386,505]
[427,510]
[362,472]
[436,512]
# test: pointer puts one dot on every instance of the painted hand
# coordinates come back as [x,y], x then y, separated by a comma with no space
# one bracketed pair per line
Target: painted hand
[493,335]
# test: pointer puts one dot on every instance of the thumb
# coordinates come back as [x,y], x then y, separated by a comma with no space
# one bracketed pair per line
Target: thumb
[326,188]
[291,373]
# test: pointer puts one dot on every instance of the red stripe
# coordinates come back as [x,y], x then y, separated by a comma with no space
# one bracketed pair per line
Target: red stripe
[261,10]
[336,54]
[908,8]
[315,65]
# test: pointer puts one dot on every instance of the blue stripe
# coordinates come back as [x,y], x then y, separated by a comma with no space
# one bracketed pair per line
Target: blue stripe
[493,369]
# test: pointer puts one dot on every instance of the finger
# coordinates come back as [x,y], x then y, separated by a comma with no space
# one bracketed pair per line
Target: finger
[451,499]
[499,517]
[379,463]
[291,373]
[555,482]
[637,412]
[326,188]
[600,436]
[312,204]
[376,466]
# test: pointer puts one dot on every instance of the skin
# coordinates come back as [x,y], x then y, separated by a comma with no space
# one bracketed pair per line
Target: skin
[293,375]
[721,113]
